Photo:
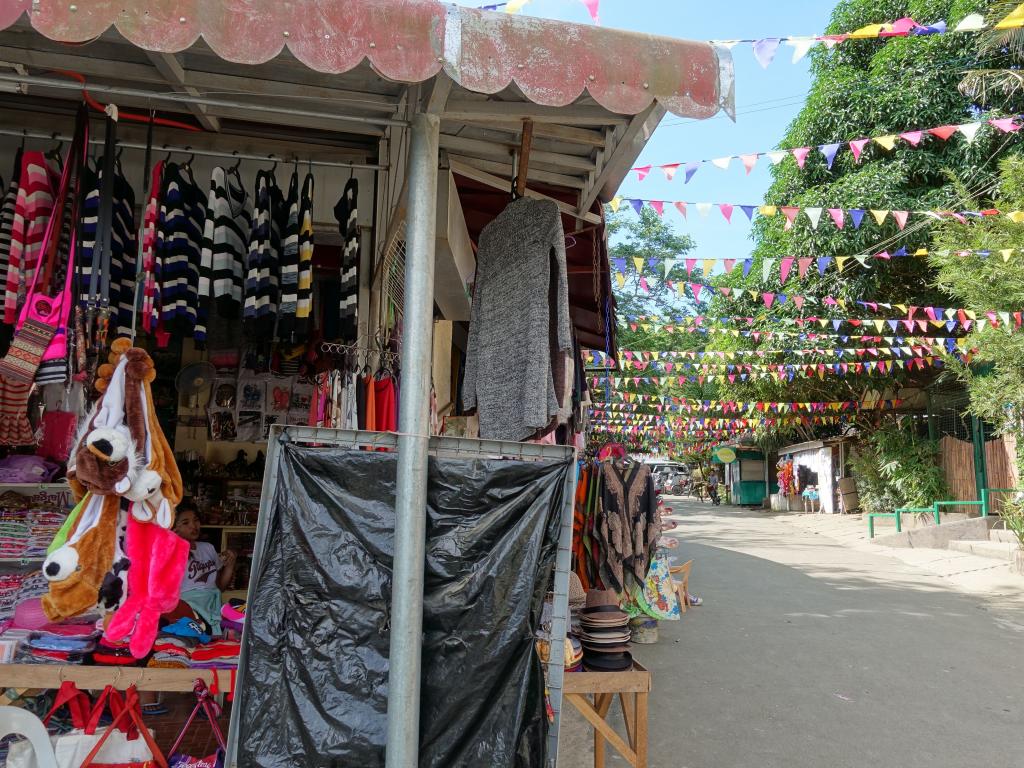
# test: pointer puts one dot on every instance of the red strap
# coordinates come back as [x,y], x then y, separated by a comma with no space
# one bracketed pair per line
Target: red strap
[131,711]
[214,686]
[77,702]
[231,693]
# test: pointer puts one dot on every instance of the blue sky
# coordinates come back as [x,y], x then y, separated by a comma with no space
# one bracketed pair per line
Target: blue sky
[766,102]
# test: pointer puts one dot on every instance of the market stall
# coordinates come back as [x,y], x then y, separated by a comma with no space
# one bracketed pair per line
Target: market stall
[746,475]
[371,151]
[810,475]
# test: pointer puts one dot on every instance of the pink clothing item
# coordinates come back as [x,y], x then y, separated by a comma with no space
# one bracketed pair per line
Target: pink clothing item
[32,209]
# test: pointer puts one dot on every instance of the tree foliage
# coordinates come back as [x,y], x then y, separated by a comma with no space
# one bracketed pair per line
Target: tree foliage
[864,89]
[995,377]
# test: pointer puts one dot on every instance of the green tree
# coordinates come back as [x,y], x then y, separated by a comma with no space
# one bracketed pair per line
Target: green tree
[868,88]
[640,246]
[995,376]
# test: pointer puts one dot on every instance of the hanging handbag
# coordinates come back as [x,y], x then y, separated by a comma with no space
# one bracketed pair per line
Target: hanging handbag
[118,749]
[205,703]
[58,430]
[120,744]
[41,329]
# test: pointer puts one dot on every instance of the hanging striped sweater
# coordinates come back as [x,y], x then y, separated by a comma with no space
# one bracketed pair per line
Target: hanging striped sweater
[225,243]
[32,209]
[289,264]
[7,218]
[123,247]
[178,250]
[304,309]
[346,211]
[263,263]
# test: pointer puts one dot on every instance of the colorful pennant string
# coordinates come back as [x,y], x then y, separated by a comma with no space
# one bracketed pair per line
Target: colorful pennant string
[690,405]
[788,266]
[766,48]
[741,372]
[912,138]
[840,217]
[935,318]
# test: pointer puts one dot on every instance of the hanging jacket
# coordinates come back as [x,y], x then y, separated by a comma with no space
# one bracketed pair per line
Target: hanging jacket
[32,208]
[225,243]
[263,262]
[178,249]
[346,211]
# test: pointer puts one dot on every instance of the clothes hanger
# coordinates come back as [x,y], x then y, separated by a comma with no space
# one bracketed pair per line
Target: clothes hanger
[55,151]
[233,170]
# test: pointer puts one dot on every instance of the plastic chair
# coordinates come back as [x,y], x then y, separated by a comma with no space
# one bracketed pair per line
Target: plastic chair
[21,722]
[682,573]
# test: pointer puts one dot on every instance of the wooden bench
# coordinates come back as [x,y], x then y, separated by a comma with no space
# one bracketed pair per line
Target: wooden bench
[592,693]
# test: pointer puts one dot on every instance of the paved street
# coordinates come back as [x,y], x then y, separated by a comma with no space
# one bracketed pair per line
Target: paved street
[810,653]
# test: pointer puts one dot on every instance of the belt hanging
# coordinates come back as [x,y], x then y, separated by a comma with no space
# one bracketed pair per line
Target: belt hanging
[98,318]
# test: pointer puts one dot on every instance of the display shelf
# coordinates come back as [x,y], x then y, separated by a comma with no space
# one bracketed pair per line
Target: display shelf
[96,678]
[21,560]
[37,486]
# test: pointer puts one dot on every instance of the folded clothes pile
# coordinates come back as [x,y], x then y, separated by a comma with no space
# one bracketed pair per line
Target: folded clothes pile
[111,654]
[219,654]
[232,615]
[172,652]
[50,648]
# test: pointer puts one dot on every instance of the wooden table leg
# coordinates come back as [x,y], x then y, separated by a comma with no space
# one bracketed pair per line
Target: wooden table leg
[628,703]
[602,703]
[641,730]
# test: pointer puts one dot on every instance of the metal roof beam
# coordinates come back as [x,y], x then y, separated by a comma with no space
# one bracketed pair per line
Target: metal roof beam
[514,111]
[467,168]
[170,68]
[624,154]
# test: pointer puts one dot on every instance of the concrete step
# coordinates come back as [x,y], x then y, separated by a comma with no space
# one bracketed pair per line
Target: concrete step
[1001,534]
[997,550]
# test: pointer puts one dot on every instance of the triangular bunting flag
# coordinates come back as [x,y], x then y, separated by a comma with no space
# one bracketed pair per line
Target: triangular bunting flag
[814,214]
[764,50]
[749,161]
[776,157]
[770,210]
[670,170]
[681,207]
[722,162]
[970,131]
[801,153]
[901,218]
[749,210]
[912,137]
[790,212]
[829,151]
[785,265]
[642,172]
[703,209]
[943,132]
[857,147]
[1005,124]
[857,215]
[879,216]
[886,142]
[690,169]
[802,266]
[726,210]
[837,216]
[637,205]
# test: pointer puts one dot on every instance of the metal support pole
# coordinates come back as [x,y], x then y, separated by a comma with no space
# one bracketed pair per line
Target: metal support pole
[413,439]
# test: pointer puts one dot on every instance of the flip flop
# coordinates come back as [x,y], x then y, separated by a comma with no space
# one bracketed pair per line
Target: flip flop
[155,709]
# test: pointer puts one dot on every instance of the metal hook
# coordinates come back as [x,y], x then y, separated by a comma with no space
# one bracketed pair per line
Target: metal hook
[273,158]
[168,158]
[191,158]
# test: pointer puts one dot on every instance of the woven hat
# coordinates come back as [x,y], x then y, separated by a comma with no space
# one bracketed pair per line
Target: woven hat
[577,595]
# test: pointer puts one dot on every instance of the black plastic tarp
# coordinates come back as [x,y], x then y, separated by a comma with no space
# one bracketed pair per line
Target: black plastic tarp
[313,690]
